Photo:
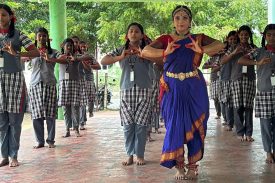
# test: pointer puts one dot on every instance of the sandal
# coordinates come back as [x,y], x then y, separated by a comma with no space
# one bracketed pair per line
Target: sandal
[192,172]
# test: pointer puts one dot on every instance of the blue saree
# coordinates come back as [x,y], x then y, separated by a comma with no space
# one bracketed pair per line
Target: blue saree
[185,107]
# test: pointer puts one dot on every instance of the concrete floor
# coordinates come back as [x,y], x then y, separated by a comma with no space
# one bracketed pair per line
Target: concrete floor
[96,157]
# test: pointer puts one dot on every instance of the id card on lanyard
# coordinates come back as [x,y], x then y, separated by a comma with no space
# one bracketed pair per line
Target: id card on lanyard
[1,59]
[244,69]
[67,75]
[132,73]
[272,78]
[1,62]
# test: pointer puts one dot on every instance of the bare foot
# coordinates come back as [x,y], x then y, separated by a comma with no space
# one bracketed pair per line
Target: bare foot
[4,162]
[228,128]
[14,162]
[149,139]
[249,139]
[129,161]
[191,174]
[51,146]
[77,133]
[140,161]
[241,138]
[269,158]
[67,134]
[82,128]
[38,146]
[157,131]
[180,175]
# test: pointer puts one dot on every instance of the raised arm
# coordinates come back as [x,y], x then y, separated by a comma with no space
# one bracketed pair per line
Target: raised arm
[245,60]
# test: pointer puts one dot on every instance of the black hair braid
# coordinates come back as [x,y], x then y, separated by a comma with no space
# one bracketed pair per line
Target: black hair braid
[127,44]
[50,50]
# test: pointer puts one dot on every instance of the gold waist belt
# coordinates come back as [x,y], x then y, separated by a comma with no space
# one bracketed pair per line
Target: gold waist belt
[182,76]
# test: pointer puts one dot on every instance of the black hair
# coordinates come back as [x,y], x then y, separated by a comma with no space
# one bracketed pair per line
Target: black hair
[82,42]
[145,39]
[42,29]
[76,37]
[267,28]
[67,40]
[247,29]
[188,11]
[231,33]
[12,27]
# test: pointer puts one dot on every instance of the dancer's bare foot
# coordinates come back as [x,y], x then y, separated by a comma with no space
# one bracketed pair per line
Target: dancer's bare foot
[4,162]
[269,158]
[192,172]
[140,161]
[14,162]
[129,161]
[51,146]
[180,175]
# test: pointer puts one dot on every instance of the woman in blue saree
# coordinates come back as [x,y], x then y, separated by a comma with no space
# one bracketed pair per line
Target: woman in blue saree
[185,103]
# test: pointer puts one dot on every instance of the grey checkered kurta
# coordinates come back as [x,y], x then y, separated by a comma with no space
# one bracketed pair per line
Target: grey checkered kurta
[12,92]
[265,104]
[155,106]
[83,93]
[69,93]
[43,100]
[225,93]
[90,89]
[215,89]
[243,92]
[135,105]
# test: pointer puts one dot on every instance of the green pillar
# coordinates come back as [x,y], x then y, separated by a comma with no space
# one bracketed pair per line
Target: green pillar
[271,11]
[58,31]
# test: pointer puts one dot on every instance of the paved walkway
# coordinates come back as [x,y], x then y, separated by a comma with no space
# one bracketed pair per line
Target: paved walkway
[96,157]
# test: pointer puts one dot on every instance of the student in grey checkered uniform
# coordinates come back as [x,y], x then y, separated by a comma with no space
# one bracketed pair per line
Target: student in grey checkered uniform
[225,81]
[89,82]
[83,88]
[243,86]
[214,64]
[264,58]
[12,85]
[43,94]
[155,73]
[69,86]
[136,91]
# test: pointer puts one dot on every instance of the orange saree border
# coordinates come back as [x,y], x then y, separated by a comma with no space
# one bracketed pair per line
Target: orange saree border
[198,124]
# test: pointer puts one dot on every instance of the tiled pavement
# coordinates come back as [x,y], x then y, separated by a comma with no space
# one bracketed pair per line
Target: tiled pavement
[96,157]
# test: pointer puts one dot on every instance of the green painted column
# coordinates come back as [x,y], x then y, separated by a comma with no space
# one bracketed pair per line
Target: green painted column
[271,11]
[58,32]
